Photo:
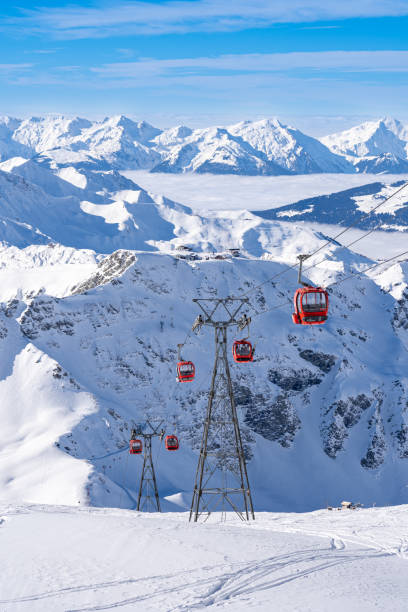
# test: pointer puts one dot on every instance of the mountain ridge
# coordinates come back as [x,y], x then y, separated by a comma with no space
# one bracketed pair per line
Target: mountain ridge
[264,147]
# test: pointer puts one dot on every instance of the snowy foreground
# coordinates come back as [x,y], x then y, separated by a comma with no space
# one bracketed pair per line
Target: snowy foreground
[62,558]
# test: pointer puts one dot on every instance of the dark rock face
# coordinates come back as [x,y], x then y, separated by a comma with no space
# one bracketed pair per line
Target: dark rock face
[11,308]
[108,271]
[401,436]
[276,420]
[293,380]
[321,360]
[40,316]
[375,453]
[344,414]
[400,318]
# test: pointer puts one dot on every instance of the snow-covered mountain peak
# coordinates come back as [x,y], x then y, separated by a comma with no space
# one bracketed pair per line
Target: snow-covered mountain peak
[265,146]
[382,137]
[288,147]
[396,126]
[266,123]
[215,150]
[8,124]
[42,133]
[139,130]
[173,136]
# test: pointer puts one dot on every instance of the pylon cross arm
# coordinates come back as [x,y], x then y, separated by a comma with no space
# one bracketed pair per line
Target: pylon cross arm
[228,304]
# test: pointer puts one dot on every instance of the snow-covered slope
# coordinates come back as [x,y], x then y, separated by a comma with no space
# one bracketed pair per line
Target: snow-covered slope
[95,338]
[99,559]
[386,163]
[214,150]
[266,147]
[42,133]
[350,207]
[374,146]
[106,212]
[322,418]
[8,146]
[290,148]
[119,141]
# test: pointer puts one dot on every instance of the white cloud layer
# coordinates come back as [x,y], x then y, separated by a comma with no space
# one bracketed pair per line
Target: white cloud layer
[175,16]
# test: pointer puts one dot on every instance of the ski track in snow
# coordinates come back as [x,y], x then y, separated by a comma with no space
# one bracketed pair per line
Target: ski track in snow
[247,579]
[308,558]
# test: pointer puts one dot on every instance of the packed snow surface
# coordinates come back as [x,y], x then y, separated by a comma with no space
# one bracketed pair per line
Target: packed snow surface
[84,559]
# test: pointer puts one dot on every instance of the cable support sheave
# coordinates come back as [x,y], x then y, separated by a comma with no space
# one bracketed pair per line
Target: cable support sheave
[372,267]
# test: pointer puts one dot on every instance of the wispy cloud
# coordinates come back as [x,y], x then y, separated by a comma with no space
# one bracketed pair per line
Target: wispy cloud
[42,51]
[11,68]
[126,52]
[226,72]
[345,61]
[180,16]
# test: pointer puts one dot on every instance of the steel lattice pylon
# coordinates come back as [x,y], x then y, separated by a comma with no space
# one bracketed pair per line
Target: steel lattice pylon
[148,497]
[221,479]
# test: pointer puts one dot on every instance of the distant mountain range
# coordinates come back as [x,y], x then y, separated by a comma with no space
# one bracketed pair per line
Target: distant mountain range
[350,207]
[266,147]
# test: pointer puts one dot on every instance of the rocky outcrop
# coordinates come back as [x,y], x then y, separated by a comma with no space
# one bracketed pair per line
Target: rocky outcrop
[289,379]
[109,269]
[322,361]
[275,420]
[341,416]
[376,451]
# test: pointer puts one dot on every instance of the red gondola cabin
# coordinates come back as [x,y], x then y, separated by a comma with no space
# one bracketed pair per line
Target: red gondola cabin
[311,306]
[135,447]
[171,443]
[242,351]
[185,371]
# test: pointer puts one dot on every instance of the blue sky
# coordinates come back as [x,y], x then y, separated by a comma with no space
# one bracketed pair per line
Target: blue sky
[321,65]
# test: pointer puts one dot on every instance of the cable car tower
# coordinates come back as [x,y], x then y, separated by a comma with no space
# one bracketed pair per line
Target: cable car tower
[221,477]
[148,497]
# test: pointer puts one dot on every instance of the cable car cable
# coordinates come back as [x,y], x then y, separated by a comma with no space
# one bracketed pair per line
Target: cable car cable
[372,267]
[344,246]
[330,241]
[367,214]
[376,265]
